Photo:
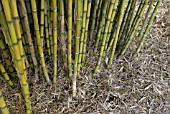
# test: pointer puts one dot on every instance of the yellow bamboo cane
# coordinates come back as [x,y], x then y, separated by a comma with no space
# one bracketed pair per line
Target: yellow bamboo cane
[3,106]
[37,33]
[19,64]
[69,11]
[7,78]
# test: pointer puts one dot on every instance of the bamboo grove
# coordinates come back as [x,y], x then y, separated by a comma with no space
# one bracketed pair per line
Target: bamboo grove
[33,32]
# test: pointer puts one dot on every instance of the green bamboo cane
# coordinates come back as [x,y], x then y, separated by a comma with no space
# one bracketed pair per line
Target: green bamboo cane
[131,25]
[108,20]
[86,31]
[82,35]
[117,30]
[127,11]
[136,17]
[100,26]
[93,20]
[127,25]
[101,2]
[113,32]
[3,106]
[62,25]
[78,33]
[23,40]
[54,15]
[50,21]
[147,28]
[19,64]
[42,22]
[110,42]
[30,16]
[27,35]
[112,39]
[46,16]
[105,36]
[5,54]
[25,51]
[6,31]
[145,21]
[111,26]
[133,30]
[50,30]
[18,32]
[36,27]
[7,78]
[69,41]
[27,32]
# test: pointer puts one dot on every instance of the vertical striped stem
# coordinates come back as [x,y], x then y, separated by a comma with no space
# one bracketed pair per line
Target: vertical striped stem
[42,22]
[117,29]
[69,55]
[46,17]
[127,25]
[38,39]
[54,18]
[86,31]
[6,56]
[3,106]
[19,63]
[93,20]
[111,26]
[147,27]
[134,28]
[78,33]
[145,21]
[104,37]
[62,25]
[27,31]
[82,35]
[7,78]
[100,26]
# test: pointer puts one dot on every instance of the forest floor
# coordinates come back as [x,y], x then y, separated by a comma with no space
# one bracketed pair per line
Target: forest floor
[131,86]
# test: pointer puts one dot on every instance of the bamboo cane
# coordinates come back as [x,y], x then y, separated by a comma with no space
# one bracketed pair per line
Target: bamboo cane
[127,25]
[6,56]
[93,20]
[145,21]
[69,41]
[19,64]
[42,22]
[51,30]
[62,25]
[78,33]
[86,31]
[118,25]
[127,10]
[6,31]
[54,15]
[112,22]
[133,30]
[30,16]
[105,36]
[18,33]
[147,28]
[3,106]
[101,2]
[36,27]
[27,31]
[7,78]
[100,28]
[46,17]
[82,35]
